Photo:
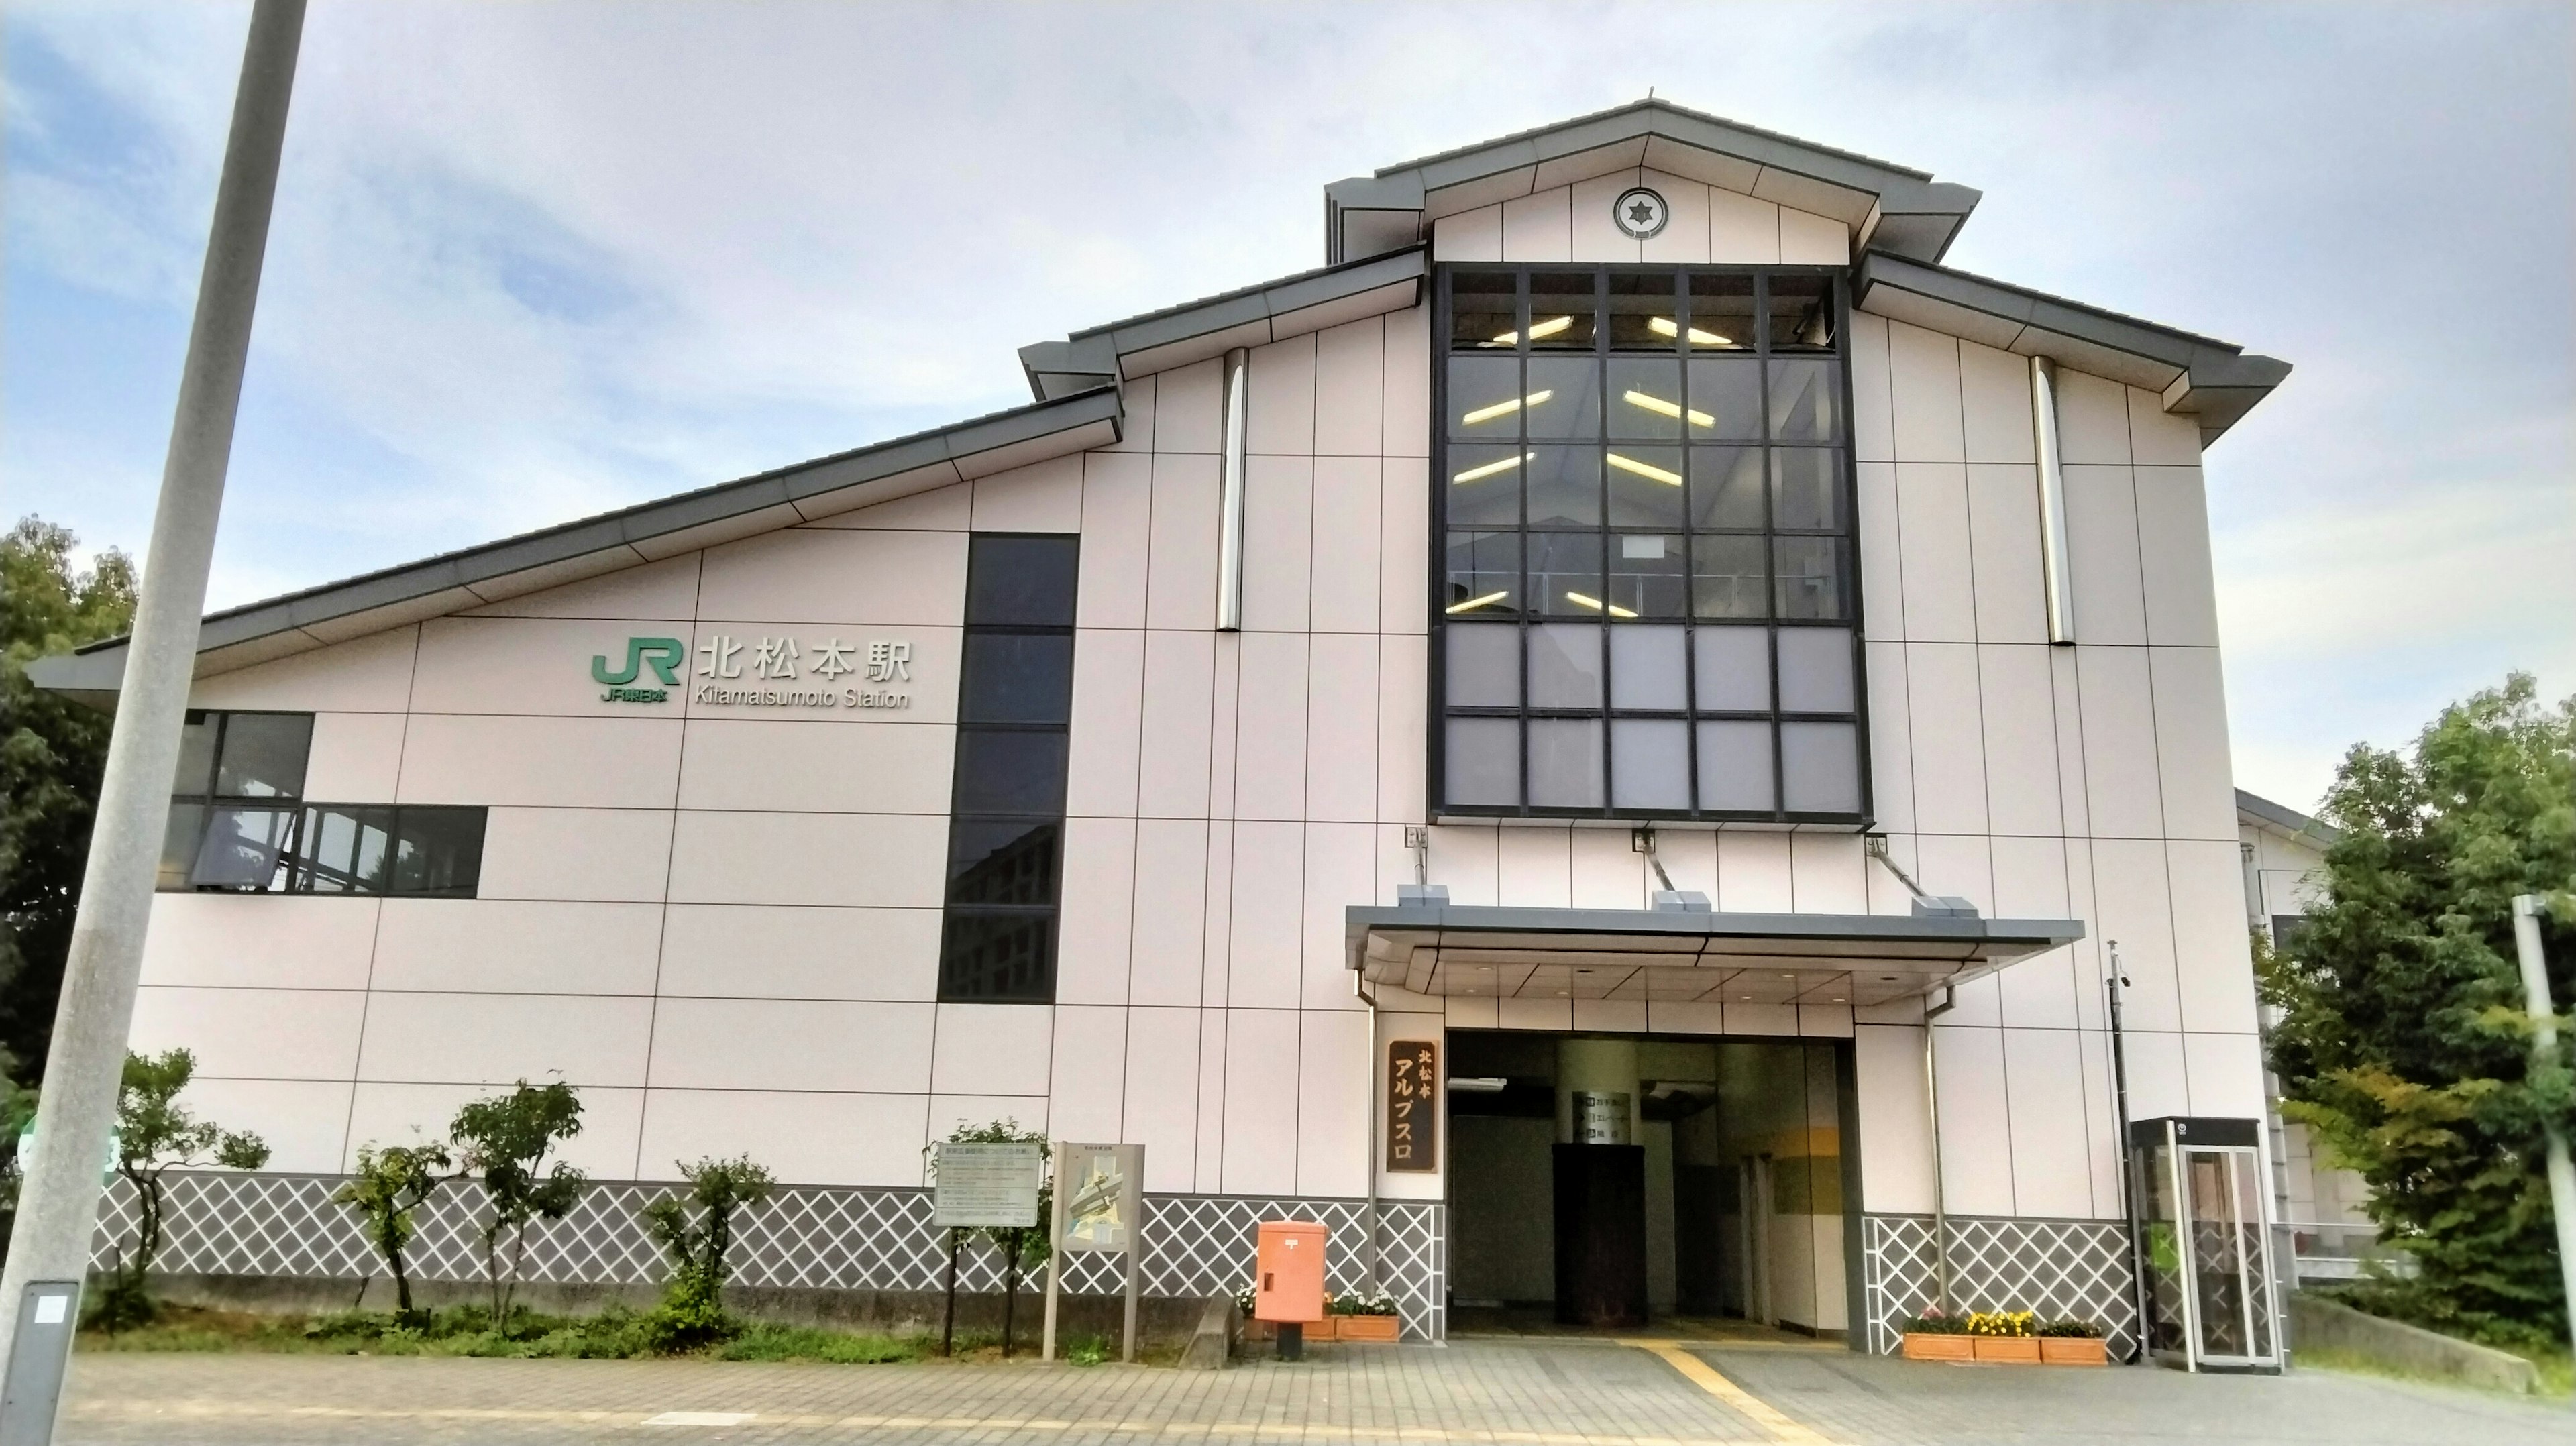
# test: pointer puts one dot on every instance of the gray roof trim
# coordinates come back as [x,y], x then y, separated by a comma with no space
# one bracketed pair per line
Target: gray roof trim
[1254,315]
[2213,381]
[1967,932]
[473,576]
[1892,206]
[2261,811]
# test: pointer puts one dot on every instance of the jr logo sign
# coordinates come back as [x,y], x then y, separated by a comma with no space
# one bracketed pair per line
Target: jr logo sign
[665,656]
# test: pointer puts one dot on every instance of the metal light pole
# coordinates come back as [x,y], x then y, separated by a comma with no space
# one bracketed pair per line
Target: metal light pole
[58,1206]
[2114,986]
[2544,1050]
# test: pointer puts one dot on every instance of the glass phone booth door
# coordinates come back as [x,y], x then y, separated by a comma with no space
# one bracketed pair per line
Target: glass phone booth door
[2208,1253]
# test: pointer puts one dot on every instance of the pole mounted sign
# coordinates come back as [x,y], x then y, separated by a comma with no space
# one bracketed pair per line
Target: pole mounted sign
[1099,1206]
[980,1185]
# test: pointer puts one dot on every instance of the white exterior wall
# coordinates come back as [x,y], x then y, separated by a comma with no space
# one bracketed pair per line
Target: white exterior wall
[725,928]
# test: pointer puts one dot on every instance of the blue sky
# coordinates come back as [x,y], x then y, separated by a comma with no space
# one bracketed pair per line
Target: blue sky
[534,261]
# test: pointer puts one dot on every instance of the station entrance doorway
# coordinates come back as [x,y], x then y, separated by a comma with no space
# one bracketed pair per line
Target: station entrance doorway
[1606,1182]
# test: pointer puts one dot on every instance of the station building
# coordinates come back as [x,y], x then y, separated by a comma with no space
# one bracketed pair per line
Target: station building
[1633,655]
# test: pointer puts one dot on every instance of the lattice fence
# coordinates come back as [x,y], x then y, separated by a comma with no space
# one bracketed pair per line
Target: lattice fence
[220,1223]
[2055,1267]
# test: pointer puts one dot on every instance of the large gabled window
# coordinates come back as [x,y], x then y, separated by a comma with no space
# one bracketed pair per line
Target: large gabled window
[1646,595]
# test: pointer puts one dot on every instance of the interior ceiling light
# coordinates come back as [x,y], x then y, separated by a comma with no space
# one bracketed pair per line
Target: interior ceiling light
[1598,606]
[1549,327]
[1642,469]
[1659,407]
[1473,603]
[1505,409]
[1666,326]
[1478,474]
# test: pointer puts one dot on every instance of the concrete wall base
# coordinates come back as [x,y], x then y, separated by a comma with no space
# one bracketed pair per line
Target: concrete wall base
[2319,1324]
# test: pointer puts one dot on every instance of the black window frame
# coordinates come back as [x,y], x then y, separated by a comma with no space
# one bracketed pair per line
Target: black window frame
[964,919]
[1760,356]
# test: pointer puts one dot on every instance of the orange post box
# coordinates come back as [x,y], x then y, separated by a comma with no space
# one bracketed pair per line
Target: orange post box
[1290,1289]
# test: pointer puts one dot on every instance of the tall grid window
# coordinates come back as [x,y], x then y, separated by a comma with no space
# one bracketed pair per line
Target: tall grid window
[239,822]
[1014,705]
[1647,604]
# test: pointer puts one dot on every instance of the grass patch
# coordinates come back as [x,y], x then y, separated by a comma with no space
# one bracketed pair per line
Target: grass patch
[2557,1375]
[613,1334]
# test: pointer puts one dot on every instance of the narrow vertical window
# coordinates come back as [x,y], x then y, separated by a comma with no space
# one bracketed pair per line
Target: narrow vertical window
[1006,836]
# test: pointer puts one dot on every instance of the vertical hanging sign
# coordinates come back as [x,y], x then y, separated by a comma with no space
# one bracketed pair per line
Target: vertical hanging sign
[1413,1105]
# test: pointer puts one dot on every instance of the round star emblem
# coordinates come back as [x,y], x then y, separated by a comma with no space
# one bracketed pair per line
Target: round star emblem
[1641,213]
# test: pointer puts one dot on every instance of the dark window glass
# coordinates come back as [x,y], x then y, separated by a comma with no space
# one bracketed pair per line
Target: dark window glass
[179,845]
[1562,311]
[998,958]
[1721,312]
[1805,401]
[1485,398]
[1564,399]
[1565,574]
[1484,574]
[1649,601]
[1727,392]
[438,852]
[1017,678]
[1802,313]
[346,850]
[1564,486]
[244,848]
[1481,309]
[263,755]
[1645,400]
[196,773]
[1011,770]
[1020,580]
[1485,485]
[1002,861]
[1643,315]
[1726,488]
[1649,575]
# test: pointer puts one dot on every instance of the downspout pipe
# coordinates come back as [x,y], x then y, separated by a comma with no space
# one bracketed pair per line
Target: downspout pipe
[2115,984]
[1932,1110]
[2052,501]
[1236,443]
[1377,1095]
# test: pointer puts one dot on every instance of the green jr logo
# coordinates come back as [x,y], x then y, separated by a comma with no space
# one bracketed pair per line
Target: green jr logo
[663,655]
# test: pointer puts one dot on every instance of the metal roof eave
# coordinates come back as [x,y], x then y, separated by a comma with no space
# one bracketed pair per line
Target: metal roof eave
[1893,207]
[648,532]
[2282,818]
[2214,382]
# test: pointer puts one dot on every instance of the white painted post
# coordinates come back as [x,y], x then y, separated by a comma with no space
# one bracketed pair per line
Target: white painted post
[58,1207]
[2544,1046]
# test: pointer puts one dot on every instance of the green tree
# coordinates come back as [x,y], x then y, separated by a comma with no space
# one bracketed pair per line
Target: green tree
[2402,1038]
[51,752]
[155,1135]
[392,1181]
[696,1231]
[506,1139]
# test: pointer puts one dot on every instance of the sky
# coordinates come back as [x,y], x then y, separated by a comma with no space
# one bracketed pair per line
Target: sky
[535,261]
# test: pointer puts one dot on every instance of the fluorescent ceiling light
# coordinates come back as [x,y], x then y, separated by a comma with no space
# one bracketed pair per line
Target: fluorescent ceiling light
[1476,602]
[1477,474]
[1505,409]
[1477,1085]
[1549,327]
[1631,464]
[1666,326]
[1597,605]
[1662,408]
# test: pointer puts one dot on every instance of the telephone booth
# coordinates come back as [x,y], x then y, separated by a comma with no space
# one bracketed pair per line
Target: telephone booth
[2208,1251]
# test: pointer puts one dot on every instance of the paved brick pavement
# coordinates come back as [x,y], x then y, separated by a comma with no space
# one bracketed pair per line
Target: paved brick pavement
[1504,1392]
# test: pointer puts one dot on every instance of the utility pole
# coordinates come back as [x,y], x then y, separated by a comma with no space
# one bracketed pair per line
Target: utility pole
[58,1205]
[2544,1055]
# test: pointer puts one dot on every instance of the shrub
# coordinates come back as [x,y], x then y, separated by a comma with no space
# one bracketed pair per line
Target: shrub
[391,1183]
[692,1313]
[506,1140]
[1934,1322]
[155,1135]
[2070,1329]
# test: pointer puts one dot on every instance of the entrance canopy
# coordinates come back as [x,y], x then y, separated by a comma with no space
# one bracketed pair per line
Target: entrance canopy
[1674,956]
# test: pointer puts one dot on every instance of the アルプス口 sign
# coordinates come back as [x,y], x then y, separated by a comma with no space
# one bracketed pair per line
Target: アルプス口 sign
[1413,1105]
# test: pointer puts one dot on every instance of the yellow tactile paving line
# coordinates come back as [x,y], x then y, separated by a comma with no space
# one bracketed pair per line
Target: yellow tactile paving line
[213,1410]
[1743,1402]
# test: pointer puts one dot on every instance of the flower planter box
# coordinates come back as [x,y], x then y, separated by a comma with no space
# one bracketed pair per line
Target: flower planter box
[1379,1328]
[1923,1347]
[1322,1330]
[2074,1351]
[2008,1350]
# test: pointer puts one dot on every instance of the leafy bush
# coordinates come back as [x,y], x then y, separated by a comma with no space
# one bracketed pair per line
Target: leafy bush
[1087,1350]
[155,1135]
[2070,1329]
[1934,1322]
[692,1313]
[392,1182]
[506,1140]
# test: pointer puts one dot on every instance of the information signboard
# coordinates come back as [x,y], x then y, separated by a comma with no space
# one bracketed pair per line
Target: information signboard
[1413,1105]
[980,1184]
